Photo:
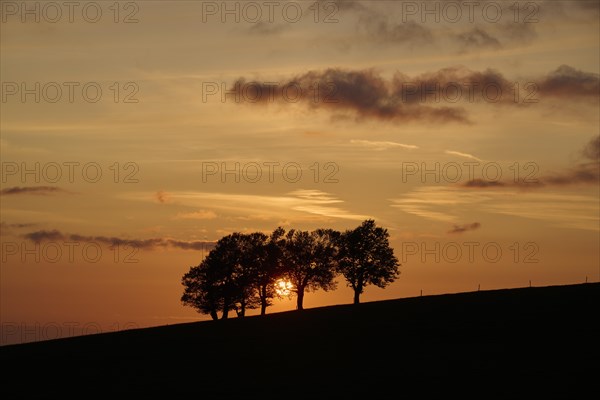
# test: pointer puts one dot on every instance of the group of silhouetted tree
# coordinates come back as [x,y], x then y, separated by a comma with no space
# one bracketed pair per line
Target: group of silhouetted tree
[240,272]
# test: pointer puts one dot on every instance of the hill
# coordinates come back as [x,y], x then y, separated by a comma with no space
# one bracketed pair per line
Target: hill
[543,338]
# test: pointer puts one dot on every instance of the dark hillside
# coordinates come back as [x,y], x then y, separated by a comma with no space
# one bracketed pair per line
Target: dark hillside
[481,343]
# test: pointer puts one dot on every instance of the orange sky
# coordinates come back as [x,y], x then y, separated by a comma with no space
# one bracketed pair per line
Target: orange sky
[119,129]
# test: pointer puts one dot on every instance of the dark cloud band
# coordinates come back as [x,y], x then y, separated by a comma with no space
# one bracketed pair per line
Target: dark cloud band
[146,244]
[39,190]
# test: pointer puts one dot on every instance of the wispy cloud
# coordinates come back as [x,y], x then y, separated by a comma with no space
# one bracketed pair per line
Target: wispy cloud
[17,226]
[384,145]
[200,214]
[296,204]
[568,211]
[568,83]
[144,244]
[6,228]
[591,151]
[344,5]
[586,172]
[383,31]
[478,38]
[466,155]
[263,28]
[162,197]
[481,183]
[451,204]
[391,26]
[315,195]
[35,190]
[464,228]
[438,203]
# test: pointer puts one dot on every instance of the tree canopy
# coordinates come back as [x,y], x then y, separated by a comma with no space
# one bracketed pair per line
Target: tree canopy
[366,258]
[309,261]
[241,271]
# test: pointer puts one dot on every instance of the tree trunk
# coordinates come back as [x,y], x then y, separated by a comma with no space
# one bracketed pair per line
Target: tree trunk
[243,310]
[226,304]
[213,314]
[225,311]
[357,292]
[263,307]
[263,300]
[300,299]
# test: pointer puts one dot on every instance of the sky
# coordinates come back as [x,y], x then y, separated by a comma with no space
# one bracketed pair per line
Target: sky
[136,134]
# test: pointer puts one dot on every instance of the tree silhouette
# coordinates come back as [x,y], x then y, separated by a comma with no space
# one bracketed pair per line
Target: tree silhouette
[258,267]
[366,258]
[222,281]
[224,257]
[239,274]
[264,255]
[242,268]
[201,288]
[309,261]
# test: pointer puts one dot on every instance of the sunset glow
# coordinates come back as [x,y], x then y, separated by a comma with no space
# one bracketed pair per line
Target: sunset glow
[133,139]
[283,288]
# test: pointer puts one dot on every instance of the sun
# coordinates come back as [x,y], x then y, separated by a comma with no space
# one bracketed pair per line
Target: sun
[283,287]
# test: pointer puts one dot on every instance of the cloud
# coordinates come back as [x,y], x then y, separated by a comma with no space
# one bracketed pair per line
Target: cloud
[424,212]
[478,38]
[36,190]
[265,28]
[345,5]
[494,37]
[17,226]
[568,82]
[315,195]
[592,7]
[145,244]
[43,235]
[516,33]
[201,214]
[6,228]
[381,27]
[397,26]
[582,174]
[464,228]
[466,155]
[452,204]
[455,84]
[382,145]
[397,33]
[568,211]
[480,183]
[586,172]
[298,205]
[438,203]
[363,93]
[162,197]
[591,150]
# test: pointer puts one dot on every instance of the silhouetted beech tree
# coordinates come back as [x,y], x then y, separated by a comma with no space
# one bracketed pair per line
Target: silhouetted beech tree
[202,289]
[222,278]
[264,255]
[366,258]
[231,276]
[239,274]
[241,271]
[309,261]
